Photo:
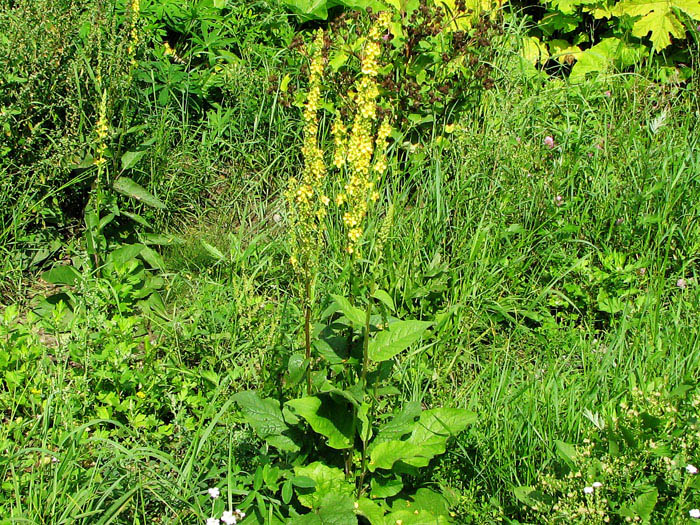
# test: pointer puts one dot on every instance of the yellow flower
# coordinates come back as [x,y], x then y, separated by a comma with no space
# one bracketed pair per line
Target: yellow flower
[140,394]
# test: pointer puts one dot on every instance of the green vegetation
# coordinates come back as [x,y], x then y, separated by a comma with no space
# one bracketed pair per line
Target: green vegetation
[347,267]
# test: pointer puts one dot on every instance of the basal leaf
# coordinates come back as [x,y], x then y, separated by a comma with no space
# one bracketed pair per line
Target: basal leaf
[265,417]
[327,417]
[327,480]
[396,338]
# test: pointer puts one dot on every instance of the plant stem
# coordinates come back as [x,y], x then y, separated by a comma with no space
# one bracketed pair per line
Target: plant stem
[365,366]
[307,331]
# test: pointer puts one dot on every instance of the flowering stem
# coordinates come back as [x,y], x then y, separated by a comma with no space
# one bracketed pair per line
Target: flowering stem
[307,331]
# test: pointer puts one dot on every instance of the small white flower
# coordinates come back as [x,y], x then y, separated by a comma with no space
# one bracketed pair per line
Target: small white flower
[240,513]
[588,490]
[692,469]
[597,484]
[214,492]
[694,513]
[228,518]
[213,521]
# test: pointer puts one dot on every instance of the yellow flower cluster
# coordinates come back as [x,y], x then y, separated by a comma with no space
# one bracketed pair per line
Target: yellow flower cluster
[360,190]
[307,203]
[102,132]
[134,40]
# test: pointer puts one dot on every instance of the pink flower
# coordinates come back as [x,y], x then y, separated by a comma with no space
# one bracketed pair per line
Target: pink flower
[549,141]
[607,93]
[558,200]
[682,283]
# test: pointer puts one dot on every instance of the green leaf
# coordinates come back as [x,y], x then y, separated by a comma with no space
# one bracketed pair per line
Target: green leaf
[602,57]
[326,480]
[385,487]
[658,18]
[124,254]
[385,454]
[413,517]
[529,496]
[128,187]
[428,439]
[308,9]
[645,503]
[385,298]
[62,275]
[212,250]
[401,424]
[265,417]
[131,158]
[354,314]
[296,367]
[370,510]
[396,338]
[327,417]
[567,452]
[287,492]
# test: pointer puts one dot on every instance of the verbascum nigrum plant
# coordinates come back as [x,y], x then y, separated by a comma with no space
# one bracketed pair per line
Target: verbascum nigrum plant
[307,202]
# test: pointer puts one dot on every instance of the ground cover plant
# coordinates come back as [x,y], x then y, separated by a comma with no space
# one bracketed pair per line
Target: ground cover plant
[316,263]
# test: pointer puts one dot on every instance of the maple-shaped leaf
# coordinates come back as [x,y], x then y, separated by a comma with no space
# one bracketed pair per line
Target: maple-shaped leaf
[658,18]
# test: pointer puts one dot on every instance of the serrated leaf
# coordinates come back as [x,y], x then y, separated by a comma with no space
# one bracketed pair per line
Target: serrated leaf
[658,18]
[396,338]
[265,417]
[327,417]
[128,187]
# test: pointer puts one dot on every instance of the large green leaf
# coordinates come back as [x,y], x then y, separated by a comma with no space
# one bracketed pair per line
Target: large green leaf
[428,439]
[415,517]
[335,509]
[128,187]
[658,18]
[265,417]
[370,510]
[607,54]
[397,337]
[327,480]
[308,9]
[435,426]
[328,417]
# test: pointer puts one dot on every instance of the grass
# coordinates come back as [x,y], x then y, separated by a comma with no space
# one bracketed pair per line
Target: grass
[558,279]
